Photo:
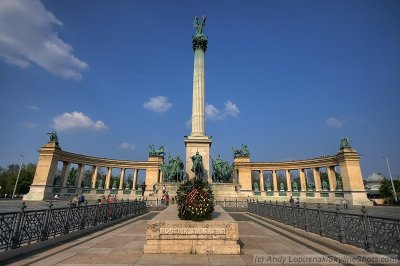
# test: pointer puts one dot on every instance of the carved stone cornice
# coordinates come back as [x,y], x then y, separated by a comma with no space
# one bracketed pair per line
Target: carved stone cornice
[199,42]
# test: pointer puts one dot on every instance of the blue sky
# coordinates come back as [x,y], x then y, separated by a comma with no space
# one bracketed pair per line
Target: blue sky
[289,79]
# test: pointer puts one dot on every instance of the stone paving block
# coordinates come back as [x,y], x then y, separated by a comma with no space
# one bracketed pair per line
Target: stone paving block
[185,259]
[155,259]
[226,260]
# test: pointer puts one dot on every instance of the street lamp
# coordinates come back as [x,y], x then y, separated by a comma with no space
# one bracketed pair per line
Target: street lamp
[391,179]
[19,172]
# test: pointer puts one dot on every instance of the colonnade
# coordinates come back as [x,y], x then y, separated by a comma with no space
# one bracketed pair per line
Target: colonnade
[351,186]
[94,176]
[50,155]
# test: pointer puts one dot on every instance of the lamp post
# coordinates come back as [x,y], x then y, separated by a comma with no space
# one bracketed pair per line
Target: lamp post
[391,179]
[19,172]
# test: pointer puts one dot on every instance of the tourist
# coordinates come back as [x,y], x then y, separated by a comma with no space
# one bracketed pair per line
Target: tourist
[173,200]
[297,202]
[115,198]
[162,200]
[166,199]
[74,201]
[154,189]
[345,206]
[110,198]
[98,201]
[103,200]
[164,189]
[81,199]
[291,200]
[143,188]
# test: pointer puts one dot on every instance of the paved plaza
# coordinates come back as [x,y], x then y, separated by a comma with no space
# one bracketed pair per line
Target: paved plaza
[122,244]
[7,205]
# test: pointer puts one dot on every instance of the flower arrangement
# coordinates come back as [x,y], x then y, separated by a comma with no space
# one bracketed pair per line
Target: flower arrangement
[195,200]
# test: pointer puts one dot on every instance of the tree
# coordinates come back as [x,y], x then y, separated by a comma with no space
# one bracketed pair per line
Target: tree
[386,190]
[8,177]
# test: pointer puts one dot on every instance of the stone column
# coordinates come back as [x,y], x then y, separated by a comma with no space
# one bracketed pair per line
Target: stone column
[353,186]
[261,181]
[288,180]
[198,94]
[94,175]
[121,178]
[331,177]
[275,181]
[242,166]
[135,174]
[64,173]
[42,184]
[108,177]
[303,183]
[198,141]
[81,169]
[317,179]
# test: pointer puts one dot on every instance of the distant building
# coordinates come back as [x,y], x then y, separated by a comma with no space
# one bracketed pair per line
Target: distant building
[373,183]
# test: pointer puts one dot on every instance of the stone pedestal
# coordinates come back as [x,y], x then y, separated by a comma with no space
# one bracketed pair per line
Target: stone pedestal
[201,145]
[166,233]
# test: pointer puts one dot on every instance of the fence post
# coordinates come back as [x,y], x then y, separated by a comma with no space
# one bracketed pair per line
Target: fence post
[66,223]
[284,213]
[342,235]
[45,230]
[305,218]
[17,229]
[321,222]
[367,229]
[83,220]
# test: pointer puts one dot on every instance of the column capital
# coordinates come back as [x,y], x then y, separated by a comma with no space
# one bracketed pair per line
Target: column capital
[199,42]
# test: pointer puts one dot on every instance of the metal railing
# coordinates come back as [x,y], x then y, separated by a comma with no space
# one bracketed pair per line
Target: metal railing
[375,234]
[29,226]
[233,205]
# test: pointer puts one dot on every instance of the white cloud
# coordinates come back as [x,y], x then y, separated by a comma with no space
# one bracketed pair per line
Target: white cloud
[68,121]
[126,145]
[334,122]
[27,35]
[159,104]
[231,109]
[212,112]
[33,108]
[28,125]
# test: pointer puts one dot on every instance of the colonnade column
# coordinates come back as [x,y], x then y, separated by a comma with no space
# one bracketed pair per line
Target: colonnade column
[94,175]
[288,180]
[135,174]
[274,181]
[317,179]
[108,177]
[121,178]
[64,173]
[302,180]
[330,170]
[261,181]
[81,169]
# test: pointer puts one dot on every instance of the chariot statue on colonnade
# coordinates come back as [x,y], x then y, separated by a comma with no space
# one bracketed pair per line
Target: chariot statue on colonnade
[242,152]
[159,152]
[345,143]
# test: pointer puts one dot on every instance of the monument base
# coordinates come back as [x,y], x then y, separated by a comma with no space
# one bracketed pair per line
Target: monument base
[165,234]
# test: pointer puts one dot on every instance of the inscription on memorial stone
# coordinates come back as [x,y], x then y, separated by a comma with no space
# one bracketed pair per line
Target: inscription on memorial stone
[192,231]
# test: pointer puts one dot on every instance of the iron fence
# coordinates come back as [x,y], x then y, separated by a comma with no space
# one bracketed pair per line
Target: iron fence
[30,226]
[375,234]
[233,205]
